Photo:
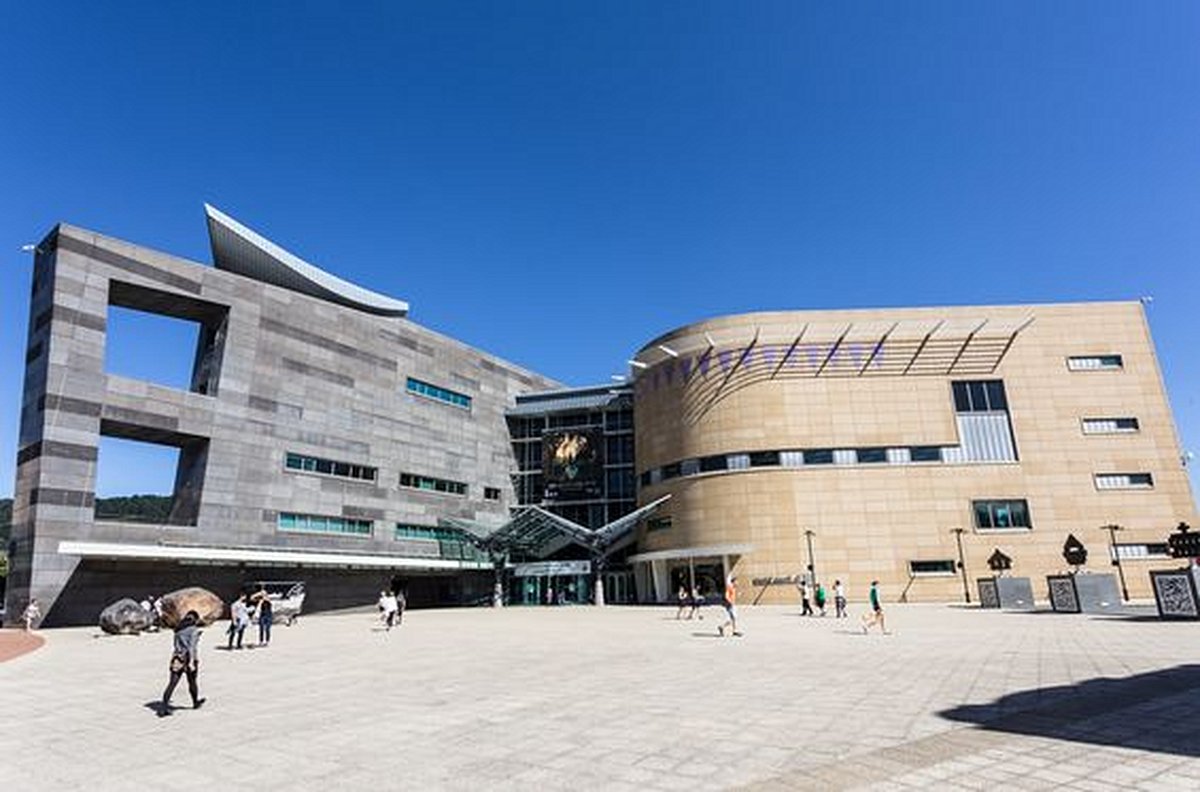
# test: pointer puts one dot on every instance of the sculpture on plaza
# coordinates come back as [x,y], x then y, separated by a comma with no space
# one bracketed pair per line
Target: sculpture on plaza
[208,606]
[125,617]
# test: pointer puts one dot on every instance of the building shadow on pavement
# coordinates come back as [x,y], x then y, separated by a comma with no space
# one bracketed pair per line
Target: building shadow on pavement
[1150,712]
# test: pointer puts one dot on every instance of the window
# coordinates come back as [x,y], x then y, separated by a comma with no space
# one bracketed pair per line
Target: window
[689,467]
[738,461]
[328,467]
[1115,481]
[670,471]
[764,459]
[844,456]
[291,522]
[1126,551]
[491,493]
[791,458]
[1110,425]
[709,464]
[658,523]
[445,395]
[618,449]
[822,456]
[925,454]
[431,484]
[979,396]
[932,568]
[451,542]
[872,456]
[1095,362]
[995,515]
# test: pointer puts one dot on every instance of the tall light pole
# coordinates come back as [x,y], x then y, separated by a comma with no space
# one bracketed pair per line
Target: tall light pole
[962,563]
[812,570]
[1116,556]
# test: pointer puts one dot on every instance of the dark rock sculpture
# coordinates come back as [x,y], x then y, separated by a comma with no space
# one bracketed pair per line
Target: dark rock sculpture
[125,617]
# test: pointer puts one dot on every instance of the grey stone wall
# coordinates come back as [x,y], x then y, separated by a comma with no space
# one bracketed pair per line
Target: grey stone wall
[278,372]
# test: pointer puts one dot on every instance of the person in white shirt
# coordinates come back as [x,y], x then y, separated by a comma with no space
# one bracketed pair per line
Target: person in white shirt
[389,606]
[839,599]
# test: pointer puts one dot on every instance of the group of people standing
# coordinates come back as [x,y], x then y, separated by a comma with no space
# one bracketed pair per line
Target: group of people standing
[391,608]
[246,608]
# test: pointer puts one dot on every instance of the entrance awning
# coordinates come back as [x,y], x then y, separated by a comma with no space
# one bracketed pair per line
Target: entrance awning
[711,551]
[201,554]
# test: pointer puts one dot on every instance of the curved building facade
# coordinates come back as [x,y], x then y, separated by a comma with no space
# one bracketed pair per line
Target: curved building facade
[858,441]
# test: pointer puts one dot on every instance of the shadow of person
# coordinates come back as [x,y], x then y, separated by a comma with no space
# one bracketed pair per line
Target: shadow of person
[1126,712]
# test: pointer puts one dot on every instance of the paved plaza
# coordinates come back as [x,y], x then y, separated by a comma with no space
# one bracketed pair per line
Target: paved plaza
[621,698]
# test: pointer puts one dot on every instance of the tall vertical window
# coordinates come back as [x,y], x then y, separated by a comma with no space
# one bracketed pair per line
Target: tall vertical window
[980,396]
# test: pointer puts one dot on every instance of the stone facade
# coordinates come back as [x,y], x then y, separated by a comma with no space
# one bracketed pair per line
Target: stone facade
[881,381]
[276,372]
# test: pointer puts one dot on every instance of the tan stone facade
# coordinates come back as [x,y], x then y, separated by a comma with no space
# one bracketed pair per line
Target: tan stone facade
[717,399]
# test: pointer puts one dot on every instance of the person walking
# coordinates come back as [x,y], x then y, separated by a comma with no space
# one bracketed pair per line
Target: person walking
[401,605]
[697,602]
[684,600]
[32,614]
[730,605]
[875,616]
[820,598]
[839,599]
[806,606]
[266,617]
[185,659]
[239,619]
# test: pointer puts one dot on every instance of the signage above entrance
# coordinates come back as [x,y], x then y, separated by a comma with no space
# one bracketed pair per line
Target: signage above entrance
[552,568]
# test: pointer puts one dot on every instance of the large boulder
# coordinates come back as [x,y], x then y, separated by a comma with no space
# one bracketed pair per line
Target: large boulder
[125,617]
[176,605]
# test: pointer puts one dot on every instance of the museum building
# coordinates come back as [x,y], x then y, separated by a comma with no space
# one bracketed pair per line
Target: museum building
[326,437]
[905,446]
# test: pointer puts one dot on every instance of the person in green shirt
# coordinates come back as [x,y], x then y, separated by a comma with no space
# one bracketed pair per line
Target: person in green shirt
[875,615]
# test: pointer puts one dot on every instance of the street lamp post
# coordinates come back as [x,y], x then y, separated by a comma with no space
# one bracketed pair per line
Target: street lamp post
[1116,556]
[962,563]
[812,570]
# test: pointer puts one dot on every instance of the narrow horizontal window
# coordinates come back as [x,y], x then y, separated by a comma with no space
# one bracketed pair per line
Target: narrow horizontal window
[938,568]
[925,453]
[689,467]
[329,467]
[658,523]
[711,463]
[670,471]
[764,459]
[872,456]
[438,393]
[1116,481]
[844,456]
[1135,551]
[821,456]
[791,458]
[292,522]
[738,461]
[1110,425]
[432,484]
[1095,362]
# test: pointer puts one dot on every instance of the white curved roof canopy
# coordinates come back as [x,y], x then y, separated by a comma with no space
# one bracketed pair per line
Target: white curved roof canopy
[236,248]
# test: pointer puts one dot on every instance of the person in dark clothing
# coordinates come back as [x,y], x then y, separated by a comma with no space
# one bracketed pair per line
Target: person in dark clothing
[266,616]
[185,659]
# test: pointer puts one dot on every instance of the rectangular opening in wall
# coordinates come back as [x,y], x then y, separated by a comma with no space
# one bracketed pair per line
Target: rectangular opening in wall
[1095,362]
[149,476]
[1119,481]
[165,338]
[1110,425]
[939,568]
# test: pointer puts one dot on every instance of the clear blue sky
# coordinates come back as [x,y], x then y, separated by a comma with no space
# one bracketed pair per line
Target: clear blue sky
[558,182]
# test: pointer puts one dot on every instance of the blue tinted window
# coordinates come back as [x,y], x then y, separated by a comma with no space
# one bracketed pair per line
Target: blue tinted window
[439,393]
